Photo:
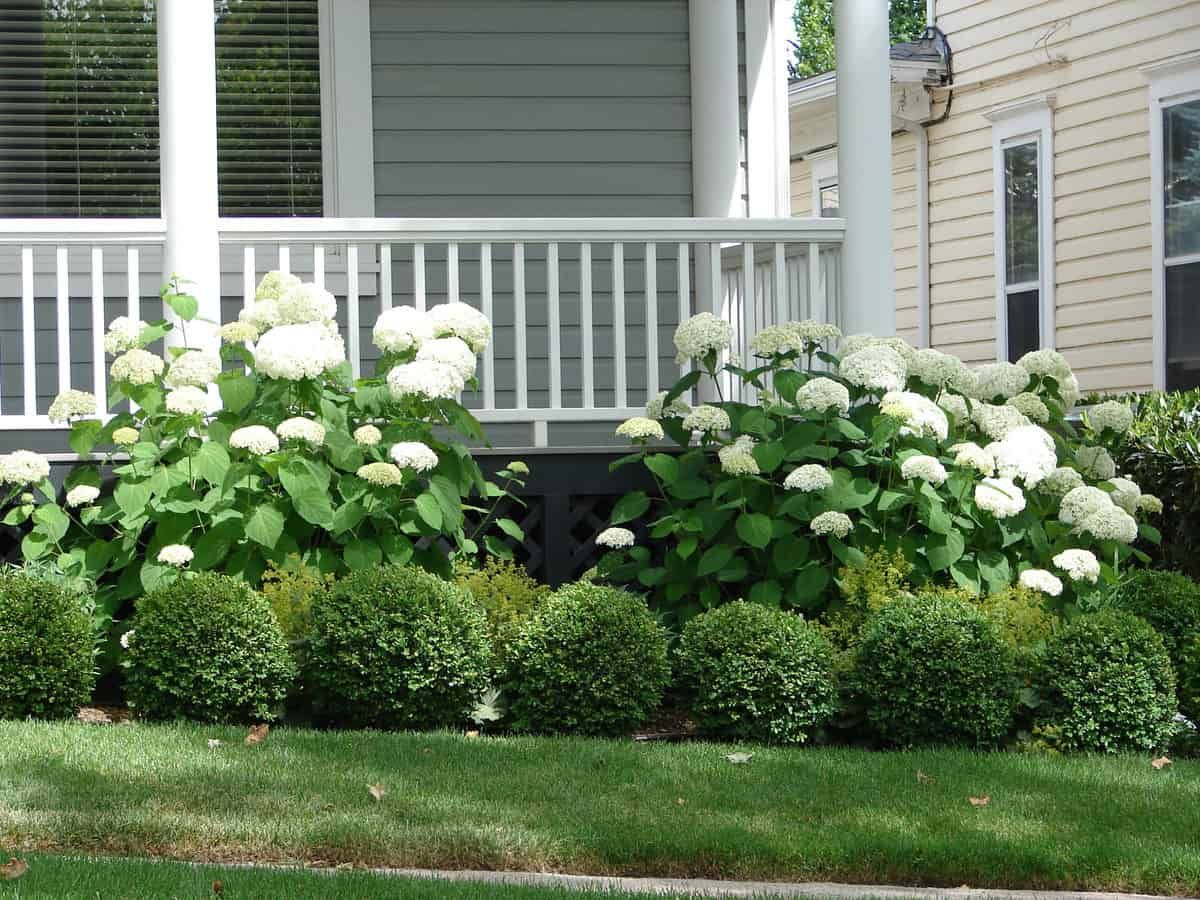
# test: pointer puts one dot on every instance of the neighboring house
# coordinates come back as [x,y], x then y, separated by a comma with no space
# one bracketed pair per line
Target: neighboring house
[1073,129]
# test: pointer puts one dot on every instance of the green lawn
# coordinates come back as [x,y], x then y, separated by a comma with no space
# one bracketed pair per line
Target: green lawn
[601,807]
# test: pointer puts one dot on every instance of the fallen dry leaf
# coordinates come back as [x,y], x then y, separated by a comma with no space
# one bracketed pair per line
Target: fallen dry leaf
[218,887]
[739,759]
[89,715]
[13,869]
[1161,763]
[681,801]
[922,778]
[426,749]
[472,734]
[980,801]
[213,743]
[377,791]
[257,734]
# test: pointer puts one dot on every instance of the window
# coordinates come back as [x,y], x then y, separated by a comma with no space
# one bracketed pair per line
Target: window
[829,201]
[1175,217]
[79,107]
[1023,153]
[825,184]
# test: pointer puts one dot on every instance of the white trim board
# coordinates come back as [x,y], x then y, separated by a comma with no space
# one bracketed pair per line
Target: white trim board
[347,117]
[1026,121]
[1172,81]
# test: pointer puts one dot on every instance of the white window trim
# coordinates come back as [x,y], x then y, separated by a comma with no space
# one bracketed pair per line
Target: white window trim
[1172,81]
[347,119]
[1025,121]
[824,172]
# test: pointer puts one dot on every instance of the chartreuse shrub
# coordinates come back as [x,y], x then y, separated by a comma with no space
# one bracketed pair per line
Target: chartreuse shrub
[757,674]
[290,588]
[1022,620]
[808,460]
[508,595]
[1170,602]
[863,589]
[206,647]
[933,670]
[46,644]
[1107,685]
[590,660]
[396,647]
[297,459]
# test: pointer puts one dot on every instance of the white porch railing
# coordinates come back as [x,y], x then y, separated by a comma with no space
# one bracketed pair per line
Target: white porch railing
[583,309]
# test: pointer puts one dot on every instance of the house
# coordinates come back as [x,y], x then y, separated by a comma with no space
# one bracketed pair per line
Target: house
[1073,130]
[584,171]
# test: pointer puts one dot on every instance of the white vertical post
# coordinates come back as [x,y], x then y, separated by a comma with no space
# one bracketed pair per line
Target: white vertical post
[685,292]
[716,165]
[285,258]
[554,325]
[419,276]
[651,322]
[133,283]
[864,125]
[921,138]
[452,272]
[521,354]
[618,298]
[62,279]
[485,302]
[187,118]
[766,82]
[818,302]
[781,284]
[28,344]
[248,276]
[747,326]
[99,372]
[385,276]
[319,265]
[586,334]
[352,309]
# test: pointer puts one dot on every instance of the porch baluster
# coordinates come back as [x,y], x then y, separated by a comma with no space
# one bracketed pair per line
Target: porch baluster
[651,321]
[618,297]
[352,308]
[385,276]
[63,303]
[485,302]
[553,325]
[419,276]
[521,353]
[587,335]
[99,375]
[28,355]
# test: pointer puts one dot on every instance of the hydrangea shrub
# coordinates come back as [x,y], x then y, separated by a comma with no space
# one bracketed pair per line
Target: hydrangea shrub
[814,459]
[268,450]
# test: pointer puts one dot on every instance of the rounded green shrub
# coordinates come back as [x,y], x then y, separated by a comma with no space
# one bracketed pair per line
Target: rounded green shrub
[508,595]
[590,660]
[1107,685]
[932,669]
[758,674]
[396,648]
[1169,601]
[206,647]
[46,643]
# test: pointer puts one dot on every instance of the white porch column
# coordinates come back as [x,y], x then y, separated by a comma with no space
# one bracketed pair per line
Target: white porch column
[864,125]
[187,121]
[716,158]
[767,129]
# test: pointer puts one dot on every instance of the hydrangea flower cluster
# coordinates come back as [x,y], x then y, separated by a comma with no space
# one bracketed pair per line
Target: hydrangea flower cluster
[738,457]
[822,395]
[193,368]
[429,381]
[296,352]
[381,474]
[367,436]
[400,329]
[123,334]
[999,496]
[970,455]
[1111,415]
[924,468]
[177,555]
[877,368]
[701,335]
[708,419]
[22,468]
[1095,462]
[461,321]
[809,478]
[615,538]
[71,404]
[832,523]
[923,417]
[1030,405]
[658,408]
[137,367]
[414,455]
[1026,454]
[299,428]
[641,428]
[1003,380]
[187,401]
[256,439]
[82,495]
[1080,565]
[1041,580]
[449,351]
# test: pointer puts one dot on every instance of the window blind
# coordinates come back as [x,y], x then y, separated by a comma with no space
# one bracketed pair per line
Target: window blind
[79,108]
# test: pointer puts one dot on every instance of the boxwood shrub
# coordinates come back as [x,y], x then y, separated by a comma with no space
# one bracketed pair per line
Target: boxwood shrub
[590,660]
[206,647]
[755,673]
[932,669]
[397,648]
[46,644]
[1107,685]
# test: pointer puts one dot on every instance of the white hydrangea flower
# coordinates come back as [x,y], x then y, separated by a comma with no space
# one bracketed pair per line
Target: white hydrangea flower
[815,332]
[381,474]
[240,332]
[449,351]
[125,437]
[414,455]
[1080,565]
[1110,523]
[1046,363]
[517,467]
[999,496]
[856,342]
[1110,415]
[924,417]
[1041,580]
[1000,379]
[306,303]
[257,439]
[431,381]
[123,334]
[296,352]
[1026,453]
[82,495]
[1062,481]
[1148,503]
[177,555]
[71,404]
[461,321]
[299,428]
[187,401]
[700,335]
[997,421]
[676,409]
[641,428]
[126,638]
[738,457]
[367,436]
[955,405]
[924,468]
[615,538]
[708,419]
[1125,493]
[261,315]
[1079,503]
[275,284]
[823,394]
[809,478]
[875,368]
[1095,462]
[193,368]
[401,328]
[835,523]
[1069,389]
[970,455]
[23,467]
[792,336]
[938,369]
[1031,405]
[137,366]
